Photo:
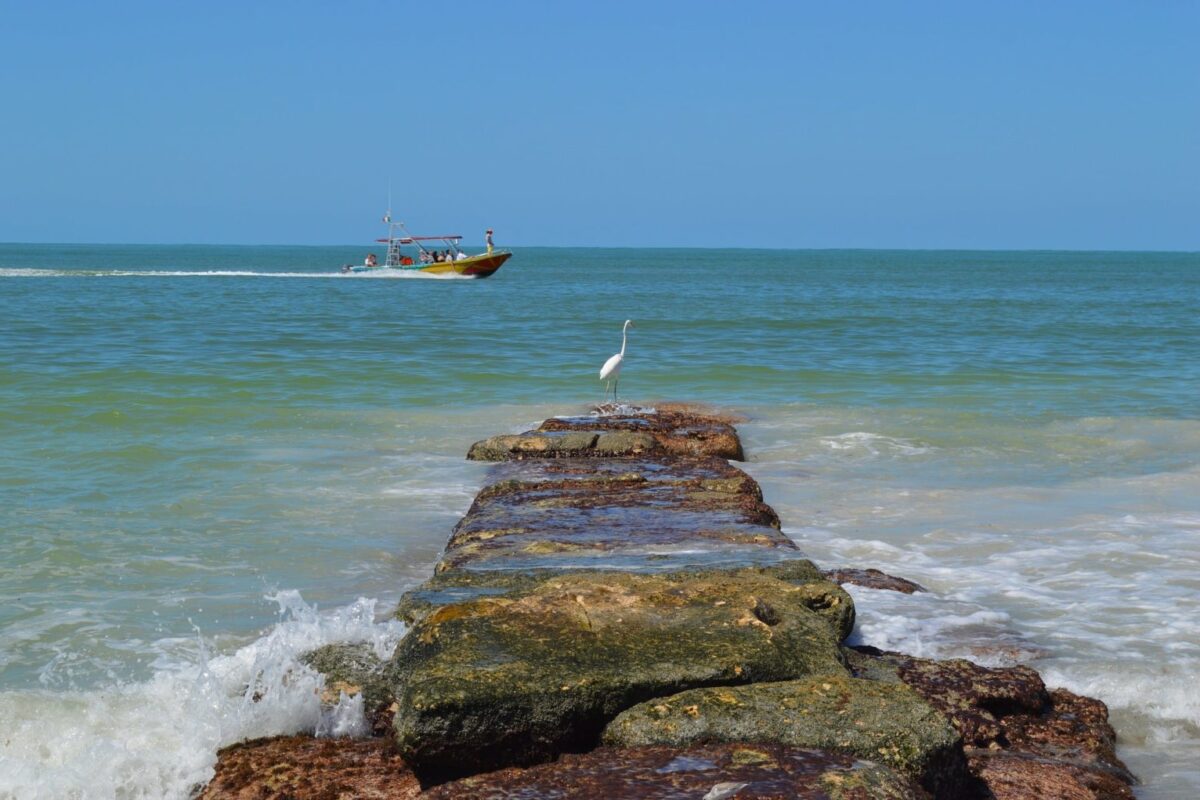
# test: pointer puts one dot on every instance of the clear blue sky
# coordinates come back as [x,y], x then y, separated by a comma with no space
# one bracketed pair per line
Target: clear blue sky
[890,124]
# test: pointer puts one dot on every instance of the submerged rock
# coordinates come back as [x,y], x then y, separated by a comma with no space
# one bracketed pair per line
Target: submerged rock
[873,579]
[889,723]
[518,679]
[304,768]
[702,772]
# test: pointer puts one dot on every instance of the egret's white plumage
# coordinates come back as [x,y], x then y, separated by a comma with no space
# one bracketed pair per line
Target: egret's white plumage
[611,371]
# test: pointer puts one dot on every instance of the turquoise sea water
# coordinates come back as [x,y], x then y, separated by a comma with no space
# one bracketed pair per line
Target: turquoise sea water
[187,431]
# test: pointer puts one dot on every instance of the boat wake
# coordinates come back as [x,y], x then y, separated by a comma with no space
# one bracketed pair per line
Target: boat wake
[223,273]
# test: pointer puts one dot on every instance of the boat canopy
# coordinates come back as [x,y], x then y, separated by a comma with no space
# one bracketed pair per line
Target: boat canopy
[411,239]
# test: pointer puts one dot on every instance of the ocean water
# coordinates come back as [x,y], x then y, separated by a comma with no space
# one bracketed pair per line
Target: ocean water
[213,459]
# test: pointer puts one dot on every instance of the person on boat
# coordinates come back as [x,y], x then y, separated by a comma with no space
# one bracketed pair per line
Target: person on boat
[461,255]
[489,241]
[370,260]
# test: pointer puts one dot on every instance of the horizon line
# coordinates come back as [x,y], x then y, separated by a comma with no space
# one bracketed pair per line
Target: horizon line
[973,249]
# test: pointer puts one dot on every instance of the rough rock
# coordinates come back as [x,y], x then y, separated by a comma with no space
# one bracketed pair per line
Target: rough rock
[1042,735]
[355,669]
[886,722]
[679,429]
[637,514]
[455,586]
[703,772]
[304,768]
[518,679]
[1020,776]
[873,579]
[564,444]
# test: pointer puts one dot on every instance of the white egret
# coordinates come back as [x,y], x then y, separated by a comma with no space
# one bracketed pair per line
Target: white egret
[611,371]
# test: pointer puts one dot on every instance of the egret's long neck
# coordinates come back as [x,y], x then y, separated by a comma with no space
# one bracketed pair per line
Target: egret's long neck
[624,332]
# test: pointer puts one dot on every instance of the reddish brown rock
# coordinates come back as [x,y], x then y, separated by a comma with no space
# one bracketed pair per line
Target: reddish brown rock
[873,579]
[304,768]
[1017,733]
[678,428]
[712,772]
[1019,776]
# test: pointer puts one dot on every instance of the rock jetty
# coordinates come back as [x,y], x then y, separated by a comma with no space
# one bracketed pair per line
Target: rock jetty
[619,615]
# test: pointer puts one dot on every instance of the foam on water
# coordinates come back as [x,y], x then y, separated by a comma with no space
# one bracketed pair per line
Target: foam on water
[1073,546]
[159,738]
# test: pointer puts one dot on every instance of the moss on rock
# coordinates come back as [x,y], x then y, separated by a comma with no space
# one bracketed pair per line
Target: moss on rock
[501,681]
[889,723]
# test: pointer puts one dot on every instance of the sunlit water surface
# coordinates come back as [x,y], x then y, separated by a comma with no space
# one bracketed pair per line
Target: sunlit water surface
[213,459]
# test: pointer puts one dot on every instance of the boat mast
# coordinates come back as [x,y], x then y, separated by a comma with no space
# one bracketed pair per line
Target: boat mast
[393,244]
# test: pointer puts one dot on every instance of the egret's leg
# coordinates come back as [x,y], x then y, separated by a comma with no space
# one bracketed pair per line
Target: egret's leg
[615,384]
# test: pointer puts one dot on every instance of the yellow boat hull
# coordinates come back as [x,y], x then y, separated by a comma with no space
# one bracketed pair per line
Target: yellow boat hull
[480,266]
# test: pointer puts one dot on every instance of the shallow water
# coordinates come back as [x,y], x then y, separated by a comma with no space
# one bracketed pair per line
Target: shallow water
[186,432]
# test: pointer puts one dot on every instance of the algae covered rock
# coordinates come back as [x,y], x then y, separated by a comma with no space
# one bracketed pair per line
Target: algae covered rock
[889,723]
[701,772]
[354,669]
[514,680]
[679,429]
[563,444]
[454,586]
[637,514]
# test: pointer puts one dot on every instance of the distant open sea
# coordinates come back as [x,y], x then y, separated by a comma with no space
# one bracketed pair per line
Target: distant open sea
[213,459]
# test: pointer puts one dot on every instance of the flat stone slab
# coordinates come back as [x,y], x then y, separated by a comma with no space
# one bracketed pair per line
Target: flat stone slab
[644,515]
[304,768]
[521,678]
[670,429]
[889,723]
[460,585]
[703,772]
[680,429]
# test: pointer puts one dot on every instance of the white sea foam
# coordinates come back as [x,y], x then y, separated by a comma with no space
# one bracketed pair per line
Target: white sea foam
[158,739]
[875,444]
[1072,546]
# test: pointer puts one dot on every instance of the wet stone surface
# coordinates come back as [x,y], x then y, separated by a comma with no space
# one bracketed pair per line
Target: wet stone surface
[885,722]
[304,768]
[873,579]
[679,429]
[639,514]
[703,772]
[354,669]
[518,679]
